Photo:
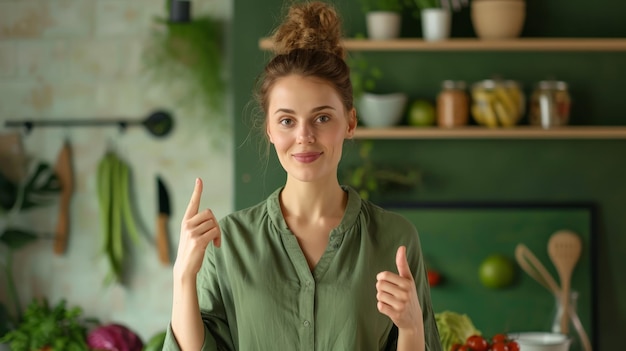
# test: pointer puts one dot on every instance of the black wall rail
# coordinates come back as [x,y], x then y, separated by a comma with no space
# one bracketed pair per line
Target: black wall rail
[158,123]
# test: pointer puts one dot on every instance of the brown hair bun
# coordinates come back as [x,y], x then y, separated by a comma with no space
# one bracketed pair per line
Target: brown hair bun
[311,25]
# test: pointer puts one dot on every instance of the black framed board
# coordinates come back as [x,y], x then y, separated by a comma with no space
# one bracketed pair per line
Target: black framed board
[457,237]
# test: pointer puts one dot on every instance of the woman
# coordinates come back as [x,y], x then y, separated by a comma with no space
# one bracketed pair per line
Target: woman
[314,266]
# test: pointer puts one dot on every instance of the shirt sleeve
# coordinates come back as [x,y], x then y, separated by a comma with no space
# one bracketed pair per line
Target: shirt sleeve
[217,335]
[431,333]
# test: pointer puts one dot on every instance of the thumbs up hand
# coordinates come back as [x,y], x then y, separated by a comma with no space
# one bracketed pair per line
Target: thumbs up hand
[397,295]
[197,230]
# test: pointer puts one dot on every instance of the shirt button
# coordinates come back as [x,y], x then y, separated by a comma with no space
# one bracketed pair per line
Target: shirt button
[307,323]
[308,284]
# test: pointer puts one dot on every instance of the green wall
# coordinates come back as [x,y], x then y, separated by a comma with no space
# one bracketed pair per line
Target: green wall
[474,170]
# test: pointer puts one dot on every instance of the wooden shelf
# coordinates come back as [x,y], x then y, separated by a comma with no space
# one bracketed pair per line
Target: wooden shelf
[477,132]
[474,44]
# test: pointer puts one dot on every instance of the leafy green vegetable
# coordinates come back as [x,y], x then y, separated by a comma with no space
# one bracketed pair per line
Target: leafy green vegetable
[45,325]
[454,328]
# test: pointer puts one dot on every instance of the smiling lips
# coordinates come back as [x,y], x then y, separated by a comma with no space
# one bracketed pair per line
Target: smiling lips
[307,157]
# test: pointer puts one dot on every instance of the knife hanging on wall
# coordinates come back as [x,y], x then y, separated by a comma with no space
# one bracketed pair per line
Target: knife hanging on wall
[163,215]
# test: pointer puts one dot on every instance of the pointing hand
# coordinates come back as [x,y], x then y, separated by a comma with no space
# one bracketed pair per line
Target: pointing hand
[197,230]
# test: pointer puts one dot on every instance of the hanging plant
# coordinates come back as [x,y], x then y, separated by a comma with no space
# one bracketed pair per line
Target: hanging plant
[190,53]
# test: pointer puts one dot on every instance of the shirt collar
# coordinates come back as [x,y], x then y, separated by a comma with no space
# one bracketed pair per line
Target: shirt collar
[353,208]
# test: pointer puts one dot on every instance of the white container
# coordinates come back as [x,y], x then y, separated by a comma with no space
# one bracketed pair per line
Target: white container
[541,341]
[383,25]
[435,24]
[381,110]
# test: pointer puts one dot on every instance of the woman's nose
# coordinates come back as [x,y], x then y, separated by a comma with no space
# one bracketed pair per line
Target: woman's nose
[305,135]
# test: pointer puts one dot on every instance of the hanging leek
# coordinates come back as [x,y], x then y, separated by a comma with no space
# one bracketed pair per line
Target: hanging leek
[116,215]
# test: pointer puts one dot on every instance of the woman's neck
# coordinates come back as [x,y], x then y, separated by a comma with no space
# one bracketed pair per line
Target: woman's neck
[313,200]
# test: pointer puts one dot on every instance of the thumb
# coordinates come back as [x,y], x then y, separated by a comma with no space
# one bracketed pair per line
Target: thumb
[403,265]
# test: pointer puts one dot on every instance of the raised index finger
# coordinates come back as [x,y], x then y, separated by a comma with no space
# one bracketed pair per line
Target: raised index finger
[194,202]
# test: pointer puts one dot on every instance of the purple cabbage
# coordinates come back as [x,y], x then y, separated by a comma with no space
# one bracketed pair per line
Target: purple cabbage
[114,337]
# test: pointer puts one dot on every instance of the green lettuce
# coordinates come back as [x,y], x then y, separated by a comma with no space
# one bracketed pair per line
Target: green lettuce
[454,328]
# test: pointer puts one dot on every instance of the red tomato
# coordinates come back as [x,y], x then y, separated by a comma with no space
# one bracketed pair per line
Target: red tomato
[513,345]
[434,278]
[499,346]
[477,343]
[455,347]
[499,338]
[464,348]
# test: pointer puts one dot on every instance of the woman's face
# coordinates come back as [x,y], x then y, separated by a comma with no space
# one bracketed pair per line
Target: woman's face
[307,123]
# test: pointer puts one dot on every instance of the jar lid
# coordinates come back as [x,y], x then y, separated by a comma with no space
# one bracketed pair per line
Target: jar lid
[485,84]
[453,84]
[552,85]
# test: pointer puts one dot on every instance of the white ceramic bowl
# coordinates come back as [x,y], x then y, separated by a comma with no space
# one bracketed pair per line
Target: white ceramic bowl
[541,341]
[381,110]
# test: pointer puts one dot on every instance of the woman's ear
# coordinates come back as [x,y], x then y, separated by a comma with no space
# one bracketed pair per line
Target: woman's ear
[352,122]
[269,135]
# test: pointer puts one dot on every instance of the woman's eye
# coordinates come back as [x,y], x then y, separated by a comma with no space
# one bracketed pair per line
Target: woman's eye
[323,118]
[286,122]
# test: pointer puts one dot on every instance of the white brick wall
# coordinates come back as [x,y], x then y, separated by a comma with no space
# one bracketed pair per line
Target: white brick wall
[82,59]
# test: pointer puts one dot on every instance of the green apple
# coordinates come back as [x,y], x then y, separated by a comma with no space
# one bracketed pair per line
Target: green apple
[421,113]
[496,271]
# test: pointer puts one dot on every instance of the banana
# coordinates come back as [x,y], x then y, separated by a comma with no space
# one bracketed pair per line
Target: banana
[504,98]
[483,111]
[489,115]
[505,117]
[518,98]
[478,116]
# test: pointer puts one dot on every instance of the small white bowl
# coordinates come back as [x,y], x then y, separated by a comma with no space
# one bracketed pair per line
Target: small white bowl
[541,341]
[381,110]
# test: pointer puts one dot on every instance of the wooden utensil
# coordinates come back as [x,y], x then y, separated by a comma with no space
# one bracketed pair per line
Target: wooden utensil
[12,157]
[63,169]
[531,265]
[564,249]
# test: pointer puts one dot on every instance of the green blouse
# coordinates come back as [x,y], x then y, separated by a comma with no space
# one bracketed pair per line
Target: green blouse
[256,292]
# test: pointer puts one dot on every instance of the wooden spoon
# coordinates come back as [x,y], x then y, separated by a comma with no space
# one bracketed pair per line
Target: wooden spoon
[63,169]
[564,249]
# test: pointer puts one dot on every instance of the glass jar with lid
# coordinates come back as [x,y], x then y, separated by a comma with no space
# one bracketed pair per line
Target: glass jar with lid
[497,103]
[452,104]
[550,104]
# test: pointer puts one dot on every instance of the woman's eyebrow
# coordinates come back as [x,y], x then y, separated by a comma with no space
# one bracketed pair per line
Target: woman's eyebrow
[316,109]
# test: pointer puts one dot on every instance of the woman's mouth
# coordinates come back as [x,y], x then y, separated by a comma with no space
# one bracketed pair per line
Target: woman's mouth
[307,157]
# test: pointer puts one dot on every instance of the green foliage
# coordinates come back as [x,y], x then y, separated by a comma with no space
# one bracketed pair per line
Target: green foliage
[15,238]
[40,189]
[362,75]
[381,5]
[43,325]
[5,320]
[425,4]
[190,53]
[416,6]
[373,179]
